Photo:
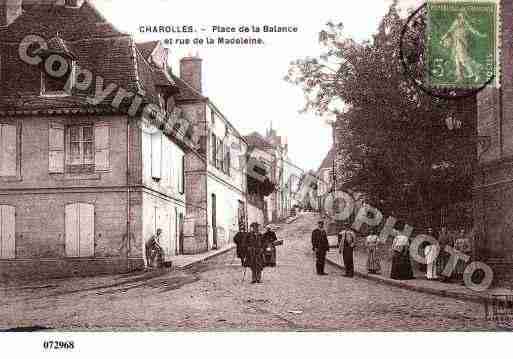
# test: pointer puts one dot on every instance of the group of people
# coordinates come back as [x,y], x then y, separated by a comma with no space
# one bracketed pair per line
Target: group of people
[437,258]
[401,269]
[256,250]
[320,246]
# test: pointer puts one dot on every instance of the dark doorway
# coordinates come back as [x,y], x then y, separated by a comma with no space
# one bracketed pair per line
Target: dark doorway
[214,222]
[180,233]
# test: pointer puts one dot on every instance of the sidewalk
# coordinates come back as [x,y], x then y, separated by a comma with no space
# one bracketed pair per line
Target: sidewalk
[82,283]
[186,261]
[420,284]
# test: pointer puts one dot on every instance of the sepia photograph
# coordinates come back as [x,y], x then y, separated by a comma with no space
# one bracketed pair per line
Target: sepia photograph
[246,168]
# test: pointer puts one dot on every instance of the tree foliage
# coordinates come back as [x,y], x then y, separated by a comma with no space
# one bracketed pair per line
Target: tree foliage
[390,133]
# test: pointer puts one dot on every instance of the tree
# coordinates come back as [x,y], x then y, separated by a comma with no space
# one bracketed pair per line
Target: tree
[392,132]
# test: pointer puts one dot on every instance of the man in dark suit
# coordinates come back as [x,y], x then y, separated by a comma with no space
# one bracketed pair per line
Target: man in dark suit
[240,240]
[255,253]
[320,246]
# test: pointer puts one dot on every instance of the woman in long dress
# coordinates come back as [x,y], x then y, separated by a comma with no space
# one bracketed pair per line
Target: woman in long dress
[462,244]
[347,240]
[373,262]
[401,264]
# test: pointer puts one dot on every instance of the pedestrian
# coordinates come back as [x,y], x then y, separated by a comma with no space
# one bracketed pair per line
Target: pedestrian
[373,262]
[255,253]
[270,250]
[401,263]
[443,255]
[430,254]
[153,249]
[240,240]
[347,239]
[462,244]
[320,246]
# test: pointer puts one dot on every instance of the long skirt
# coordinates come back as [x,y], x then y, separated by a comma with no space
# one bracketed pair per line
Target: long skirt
[373,263]
[347,254]
[401,266]
[429,253]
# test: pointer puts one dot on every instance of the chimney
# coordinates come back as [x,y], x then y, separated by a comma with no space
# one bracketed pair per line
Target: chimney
[9,11]
[190,71]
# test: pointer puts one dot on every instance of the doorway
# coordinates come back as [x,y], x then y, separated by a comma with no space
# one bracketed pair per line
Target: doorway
[214,221]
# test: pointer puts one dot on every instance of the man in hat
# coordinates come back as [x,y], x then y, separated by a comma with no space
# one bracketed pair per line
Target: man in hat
[240,240]
[153,249]
[255,253]
[320,246]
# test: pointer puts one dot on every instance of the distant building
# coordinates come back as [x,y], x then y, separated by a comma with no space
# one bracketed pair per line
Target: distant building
[272,150]
[325,183]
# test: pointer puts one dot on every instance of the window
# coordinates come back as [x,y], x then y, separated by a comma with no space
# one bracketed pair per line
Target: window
[227,160]
[8,150]
[7,233]
[79,230]
[81,142]
[56,85]
[78,148]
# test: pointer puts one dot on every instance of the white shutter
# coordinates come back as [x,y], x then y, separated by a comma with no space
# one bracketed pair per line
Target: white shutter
[102,146]
[7,241]
[86,234]
[172,166]
[166,161]
[8,150]
[72,225]
[146,151]
[156,155]
[56,148]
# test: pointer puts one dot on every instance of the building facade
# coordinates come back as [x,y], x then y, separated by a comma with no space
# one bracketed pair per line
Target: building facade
[87,175]
[493,189]
[216,174]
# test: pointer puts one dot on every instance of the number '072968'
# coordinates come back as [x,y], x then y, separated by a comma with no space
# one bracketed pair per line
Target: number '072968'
[58,345]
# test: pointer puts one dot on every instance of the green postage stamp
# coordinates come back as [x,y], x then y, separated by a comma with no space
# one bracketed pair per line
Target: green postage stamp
[461,43]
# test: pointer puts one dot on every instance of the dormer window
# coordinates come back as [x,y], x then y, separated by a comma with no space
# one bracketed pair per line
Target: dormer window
[73,3]
[58,69]
[57,77]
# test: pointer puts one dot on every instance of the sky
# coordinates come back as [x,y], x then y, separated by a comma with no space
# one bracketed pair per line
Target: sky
[246,83]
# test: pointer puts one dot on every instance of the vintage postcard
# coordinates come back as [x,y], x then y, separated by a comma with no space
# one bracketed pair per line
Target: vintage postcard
[312,169]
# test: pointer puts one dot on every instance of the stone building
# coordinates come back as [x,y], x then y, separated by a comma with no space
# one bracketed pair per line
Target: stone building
[215,176]
[87,174]
[493,188]
[325,176]
[272,152]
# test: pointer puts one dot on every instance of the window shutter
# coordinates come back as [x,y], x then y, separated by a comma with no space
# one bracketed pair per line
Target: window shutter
[102,146]
[56,148]
[72,226]
[86,234]
[228,160]
[220,154]
[8,150]
[7,238]
[214,149]
[182,175]
[156,155]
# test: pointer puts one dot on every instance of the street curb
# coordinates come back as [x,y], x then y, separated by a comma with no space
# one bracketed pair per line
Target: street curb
[210,256]
[395,283]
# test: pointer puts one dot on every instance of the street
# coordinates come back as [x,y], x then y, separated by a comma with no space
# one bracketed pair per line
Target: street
[211,296]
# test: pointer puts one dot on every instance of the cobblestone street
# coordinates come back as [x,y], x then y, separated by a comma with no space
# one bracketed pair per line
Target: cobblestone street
[210,296]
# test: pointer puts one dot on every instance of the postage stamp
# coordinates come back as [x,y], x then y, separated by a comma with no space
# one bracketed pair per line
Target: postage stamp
[461,43]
